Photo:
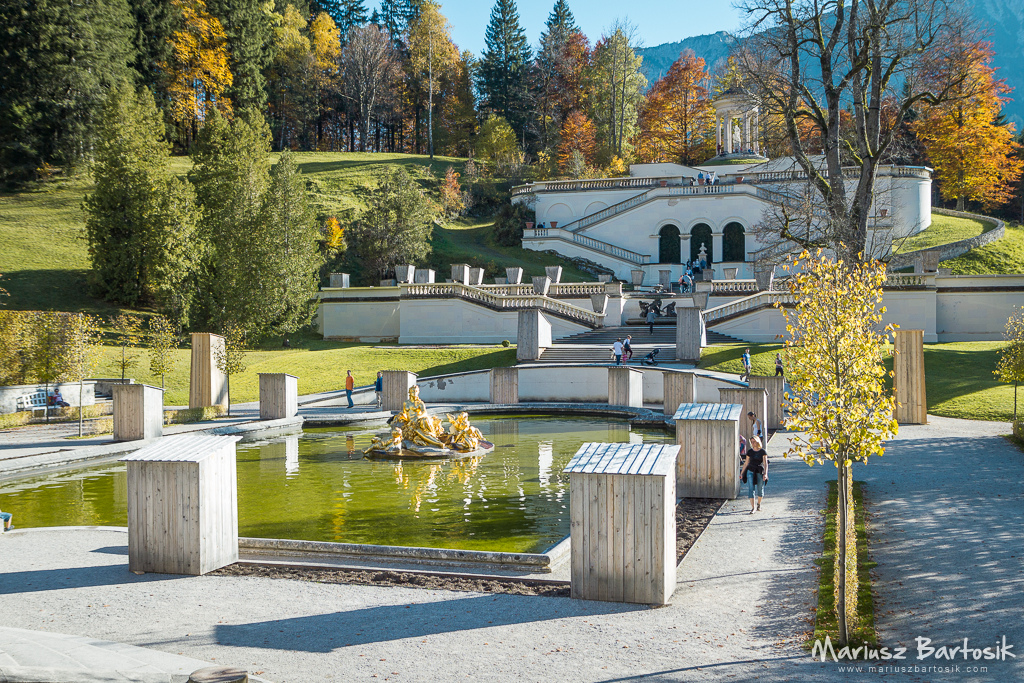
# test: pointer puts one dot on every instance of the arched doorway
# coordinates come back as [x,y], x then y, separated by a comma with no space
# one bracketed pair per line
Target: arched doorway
[701,234]
[734,245]
[668,245]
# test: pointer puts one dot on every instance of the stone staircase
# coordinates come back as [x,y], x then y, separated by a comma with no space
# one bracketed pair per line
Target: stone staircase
[595,346]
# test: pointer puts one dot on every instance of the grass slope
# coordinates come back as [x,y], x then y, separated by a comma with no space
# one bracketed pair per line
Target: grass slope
[945,230]
[958,376]
[1003,257]
[45,261]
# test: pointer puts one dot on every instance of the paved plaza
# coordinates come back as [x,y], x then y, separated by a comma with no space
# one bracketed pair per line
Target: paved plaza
[946,515]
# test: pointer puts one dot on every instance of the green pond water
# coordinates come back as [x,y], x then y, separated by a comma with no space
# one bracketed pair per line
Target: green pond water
[318,487]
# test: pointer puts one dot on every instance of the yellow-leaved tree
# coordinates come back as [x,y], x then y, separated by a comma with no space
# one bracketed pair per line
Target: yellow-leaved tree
[198,68]
[432,54]
[838,403]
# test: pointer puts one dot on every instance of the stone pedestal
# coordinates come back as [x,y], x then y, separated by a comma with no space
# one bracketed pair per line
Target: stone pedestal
[541,285]
[599,302]
[340,280]
[604,278]
[396,389]
[665,278]
[775,386]
[501,280]
[636,277]
[763,277]
[679,387]
[423,276]
[908,378]
[729,273]
[554,273]
[390,282]
[405,273]
[279,395]
[460,273]
[533,334]
[504,386]
[515,275]
[138,412]
[690,334]
[753,400]
[625,387]
[476,276]
[208,385]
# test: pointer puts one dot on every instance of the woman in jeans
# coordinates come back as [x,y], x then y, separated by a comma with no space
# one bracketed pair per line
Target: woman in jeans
[755,472]
[6,518]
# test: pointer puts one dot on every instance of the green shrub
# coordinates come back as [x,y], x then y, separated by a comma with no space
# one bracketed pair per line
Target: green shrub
[508,226]
[506,343]
[15,419]
[190,415]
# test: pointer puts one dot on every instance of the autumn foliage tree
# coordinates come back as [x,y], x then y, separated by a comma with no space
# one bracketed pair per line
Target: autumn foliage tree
[677,120]
[452,203]
[578,135]
[838,404]
[973,154]
[198,67]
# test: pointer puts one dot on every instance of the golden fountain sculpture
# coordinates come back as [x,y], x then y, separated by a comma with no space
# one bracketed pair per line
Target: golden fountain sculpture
[415,434]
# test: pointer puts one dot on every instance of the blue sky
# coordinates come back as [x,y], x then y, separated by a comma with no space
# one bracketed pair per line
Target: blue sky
[659,21]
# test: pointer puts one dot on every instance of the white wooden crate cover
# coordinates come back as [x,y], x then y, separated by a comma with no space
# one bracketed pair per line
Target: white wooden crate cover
[619,458]
[186,448]
[709,411]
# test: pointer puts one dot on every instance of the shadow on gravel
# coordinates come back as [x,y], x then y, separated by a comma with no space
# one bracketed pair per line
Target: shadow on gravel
[112,550]
[77,577]
[327,632]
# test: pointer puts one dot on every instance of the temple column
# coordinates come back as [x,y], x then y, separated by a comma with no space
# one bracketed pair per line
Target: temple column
[746,131]
[716,250]
[718,133]
[728,132]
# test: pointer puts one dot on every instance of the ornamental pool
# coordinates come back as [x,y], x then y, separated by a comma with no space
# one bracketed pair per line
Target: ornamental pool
[318,487]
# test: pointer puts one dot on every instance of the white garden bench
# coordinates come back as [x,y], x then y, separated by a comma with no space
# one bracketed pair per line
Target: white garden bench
[32,401]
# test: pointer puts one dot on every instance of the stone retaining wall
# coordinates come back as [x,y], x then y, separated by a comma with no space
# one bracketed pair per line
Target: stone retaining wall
[953,249]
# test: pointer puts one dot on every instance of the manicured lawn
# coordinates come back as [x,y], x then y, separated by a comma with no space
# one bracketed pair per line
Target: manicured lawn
[944,230]
[1003,257]
[319,365]
[958,376]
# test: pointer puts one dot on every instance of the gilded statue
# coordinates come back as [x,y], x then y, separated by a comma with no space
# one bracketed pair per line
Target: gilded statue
[416,434]
[462,435]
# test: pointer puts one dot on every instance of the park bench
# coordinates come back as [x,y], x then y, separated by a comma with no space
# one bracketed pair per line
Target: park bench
[32,402]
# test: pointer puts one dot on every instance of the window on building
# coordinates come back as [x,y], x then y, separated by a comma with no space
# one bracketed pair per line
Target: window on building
[734,246]
[668,245]
[701,234]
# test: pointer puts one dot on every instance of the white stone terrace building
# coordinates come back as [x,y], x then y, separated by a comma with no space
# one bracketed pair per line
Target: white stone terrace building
[660,215]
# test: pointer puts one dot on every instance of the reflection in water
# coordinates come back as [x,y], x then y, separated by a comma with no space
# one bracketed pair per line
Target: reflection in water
[291,456]
[319,487]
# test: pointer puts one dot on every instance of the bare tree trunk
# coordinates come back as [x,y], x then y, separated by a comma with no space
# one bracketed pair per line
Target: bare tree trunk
[843,542]
[430,97]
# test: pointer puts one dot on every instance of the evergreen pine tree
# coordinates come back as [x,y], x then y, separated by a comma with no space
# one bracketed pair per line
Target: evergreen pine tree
[506,78]
[249,31]
[296,251]
[57,61]
[561,24]
[353,13]
[153,30]
[141,220]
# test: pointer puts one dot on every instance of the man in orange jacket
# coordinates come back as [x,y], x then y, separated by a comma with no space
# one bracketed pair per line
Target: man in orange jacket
[350,384]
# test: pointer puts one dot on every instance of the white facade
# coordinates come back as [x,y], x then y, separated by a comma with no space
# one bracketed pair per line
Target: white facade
[627,224]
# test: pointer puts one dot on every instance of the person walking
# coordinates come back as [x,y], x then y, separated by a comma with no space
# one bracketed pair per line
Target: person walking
[779,370]
[746,365]
[755,472]
[627,348]
[756,426]
[7,517]
[651,315]
[350,384]
[378,388]
[617,351]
